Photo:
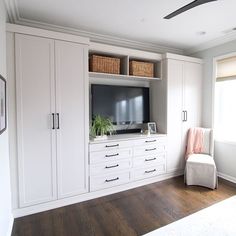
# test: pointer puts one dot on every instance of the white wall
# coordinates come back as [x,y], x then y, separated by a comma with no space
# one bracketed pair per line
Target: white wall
[224,152]
[6,218]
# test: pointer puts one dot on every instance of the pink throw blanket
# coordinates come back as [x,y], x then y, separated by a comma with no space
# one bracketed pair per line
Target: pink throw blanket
[195,141]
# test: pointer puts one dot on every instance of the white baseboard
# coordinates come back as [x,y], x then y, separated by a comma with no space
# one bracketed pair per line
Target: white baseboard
[10,226]
[91,195]
[227,177]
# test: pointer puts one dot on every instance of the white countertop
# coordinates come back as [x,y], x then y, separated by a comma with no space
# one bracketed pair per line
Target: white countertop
[123,137]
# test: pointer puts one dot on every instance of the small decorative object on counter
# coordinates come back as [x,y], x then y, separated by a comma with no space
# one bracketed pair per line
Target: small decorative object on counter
[100,127]
[152,127]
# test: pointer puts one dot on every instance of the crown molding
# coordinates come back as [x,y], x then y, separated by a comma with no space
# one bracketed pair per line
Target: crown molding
[15,18]
[212,43]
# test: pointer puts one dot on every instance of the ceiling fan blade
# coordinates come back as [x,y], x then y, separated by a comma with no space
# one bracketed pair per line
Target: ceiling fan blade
[187,7]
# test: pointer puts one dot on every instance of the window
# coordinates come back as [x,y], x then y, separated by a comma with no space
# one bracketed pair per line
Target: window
[225,100]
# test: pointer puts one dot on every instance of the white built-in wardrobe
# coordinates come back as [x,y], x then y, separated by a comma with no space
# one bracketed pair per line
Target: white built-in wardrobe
[52,124]
[49,116]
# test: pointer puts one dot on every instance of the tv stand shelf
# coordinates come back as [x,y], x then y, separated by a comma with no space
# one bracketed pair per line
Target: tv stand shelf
[124,137]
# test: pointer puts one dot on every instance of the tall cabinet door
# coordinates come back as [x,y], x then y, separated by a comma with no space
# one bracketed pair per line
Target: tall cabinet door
[72,119]
[35,103]
[192,96]
[175,114]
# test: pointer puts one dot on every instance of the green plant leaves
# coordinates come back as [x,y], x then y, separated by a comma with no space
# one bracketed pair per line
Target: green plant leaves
[101,126]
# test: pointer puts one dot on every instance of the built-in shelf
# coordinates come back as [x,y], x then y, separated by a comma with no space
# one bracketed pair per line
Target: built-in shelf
[123,77]
[126,55]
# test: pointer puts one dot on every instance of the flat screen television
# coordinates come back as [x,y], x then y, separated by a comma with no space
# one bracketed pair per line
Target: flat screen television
[122,104]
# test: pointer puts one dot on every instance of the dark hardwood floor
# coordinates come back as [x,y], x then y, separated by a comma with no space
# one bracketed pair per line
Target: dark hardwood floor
[132,212]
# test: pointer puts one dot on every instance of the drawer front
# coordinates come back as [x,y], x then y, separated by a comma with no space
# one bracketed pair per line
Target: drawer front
[149,150]
[110,155]
[106,146]
[150,160]
[150,141]
[110,180]
[110,166]
[149,172]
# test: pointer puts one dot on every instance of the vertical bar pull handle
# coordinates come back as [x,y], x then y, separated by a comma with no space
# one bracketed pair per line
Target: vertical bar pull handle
[58,121]
[186,116]
[183,115]
[53,121]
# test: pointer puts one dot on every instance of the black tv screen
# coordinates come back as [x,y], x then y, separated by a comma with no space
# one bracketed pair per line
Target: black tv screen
[122,104]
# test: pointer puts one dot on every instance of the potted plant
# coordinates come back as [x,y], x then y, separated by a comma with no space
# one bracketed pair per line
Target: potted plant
[100,127]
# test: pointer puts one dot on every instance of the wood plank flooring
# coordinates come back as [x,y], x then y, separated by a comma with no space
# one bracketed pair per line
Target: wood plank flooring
[132,212]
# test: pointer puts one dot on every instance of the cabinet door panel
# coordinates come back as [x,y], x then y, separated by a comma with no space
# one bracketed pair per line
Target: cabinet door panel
[174,113]
[72,137]
[35,103]
[192,96]
[193,92]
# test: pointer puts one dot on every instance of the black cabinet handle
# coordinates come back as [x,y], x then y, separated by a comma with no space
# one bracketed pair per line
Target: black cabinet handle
[112,155]
[110,180]
[150,171]
[152,159]
[150,141]
[151,149]
[108,167]
[183,112]
[58,121]
[116,145]
[186,117]
[53,121]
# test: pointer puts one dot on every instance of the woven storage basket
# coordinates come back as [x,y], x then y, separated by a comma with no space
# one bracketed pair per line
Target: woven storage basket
[104,64]
[139,68]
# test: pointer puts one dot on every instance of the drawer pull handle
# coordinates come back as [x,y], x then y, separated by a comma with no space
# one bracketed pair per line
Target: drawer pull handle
[150,141]
[108,167]
[108,146]
[112,155]
[110,180]
[151,149]
[151,159]
[150,171]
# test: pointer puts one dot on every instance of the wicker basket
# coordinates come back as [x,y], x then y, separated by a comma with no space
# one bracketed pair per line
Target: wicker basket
[104,64]
[139,68]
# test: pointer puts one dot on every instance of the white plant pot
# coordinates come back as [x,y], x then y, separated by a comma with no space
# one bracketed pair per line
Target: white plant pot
[98,138]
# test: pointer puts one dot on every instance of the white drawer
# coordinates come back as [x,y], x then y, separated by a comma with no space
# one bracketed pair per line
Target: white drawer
[109,145]
[110,166]
[149,160]
[149,150]
[110,155]
[110,180]
[149,172]
[150,141]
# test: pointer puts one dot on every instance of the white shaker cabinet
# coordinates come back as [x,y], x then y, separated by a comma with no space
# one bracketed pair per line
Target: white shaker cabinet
[184,85]
[51,84]
[71,90]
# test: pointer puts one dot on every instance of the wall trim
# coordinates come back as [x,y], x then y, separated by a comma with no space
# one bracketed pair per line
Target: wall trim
[15,18]
[227,177]
[91,195]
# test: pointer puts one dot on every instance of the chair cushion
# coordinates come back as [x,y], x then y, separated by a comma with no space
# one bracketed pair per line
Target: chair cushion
[201,170]
[201,159]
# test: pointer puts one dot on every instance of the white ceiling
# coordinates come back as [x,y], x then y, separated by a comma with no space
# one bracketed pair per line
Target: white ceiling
[140,20]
